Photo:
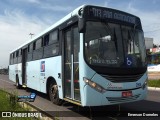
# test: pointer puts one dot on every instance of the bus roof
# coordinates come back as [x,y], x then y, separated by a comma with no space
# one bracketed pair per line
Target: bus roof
[71,14]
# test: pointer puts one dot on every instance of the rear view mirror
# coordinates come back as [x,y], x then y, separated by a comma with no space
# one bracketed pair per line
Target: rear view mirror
[81,25]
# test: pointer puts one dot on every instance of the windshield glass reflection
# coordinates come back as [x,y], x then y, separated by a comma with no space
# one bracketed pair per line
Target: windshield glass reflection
[114,45]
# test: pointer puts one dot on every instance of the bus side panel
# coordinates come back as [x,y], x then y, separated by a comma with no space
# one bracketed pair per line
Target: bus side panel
[33,73]
[12,73]
[15,70]
[38,71]
[52,69]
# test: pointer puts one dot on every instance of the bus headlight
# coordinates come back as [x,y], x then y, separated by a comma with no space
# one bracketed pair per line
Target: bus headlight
[145,84]
[94,85]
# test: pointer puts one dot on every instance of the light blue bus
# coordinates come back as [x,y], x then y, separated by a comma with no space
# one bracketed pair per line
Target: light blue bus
[94,56]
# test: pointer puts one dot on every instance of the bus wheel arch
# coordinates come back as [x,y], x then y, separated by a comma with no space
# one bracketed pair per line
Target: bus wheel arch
[52,91]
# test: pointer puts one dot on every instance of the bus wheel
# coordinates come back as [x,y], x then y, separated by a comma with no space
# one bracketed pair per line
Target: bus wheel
[53,93]
[18,86]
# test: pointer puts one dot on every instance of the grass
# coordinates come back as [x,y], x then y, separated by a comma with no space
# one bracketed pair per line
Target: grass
[154,83]
[9,103]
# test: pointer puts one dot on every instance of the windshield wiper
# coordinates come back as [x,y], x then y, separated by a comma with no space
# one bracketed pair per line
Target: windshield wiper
[113,35]
[107,28]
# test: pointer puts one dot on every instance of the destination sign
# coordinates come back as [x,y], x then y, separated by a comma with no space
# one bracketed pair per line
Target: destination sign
[106,13]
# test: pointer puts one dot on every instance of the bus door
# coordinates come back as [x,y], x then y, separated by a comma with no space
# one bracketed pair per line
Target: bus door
[24,59]
[71,63]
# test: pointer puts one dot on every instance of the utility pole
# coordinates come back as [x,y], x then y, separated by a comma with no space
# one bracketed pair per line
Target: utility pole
[31,34]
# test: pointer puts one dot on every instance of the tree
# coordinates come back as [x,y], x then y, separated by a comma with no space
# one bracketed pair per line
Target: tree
[154,46]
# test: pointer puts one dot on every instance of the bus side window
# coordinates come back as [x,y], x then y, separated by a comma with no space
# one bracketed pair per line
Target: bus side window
[16,57]
[53,37]
[38,49]
[17,53]
[51,45]
[20,56]
[30,50]
[38,44]
[30,47]
[11,59]
[34,45]
[46,40]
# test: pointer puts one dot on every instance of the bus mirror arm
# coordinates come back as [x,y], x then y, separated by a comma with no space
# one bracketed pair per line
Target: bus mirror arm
[81,25]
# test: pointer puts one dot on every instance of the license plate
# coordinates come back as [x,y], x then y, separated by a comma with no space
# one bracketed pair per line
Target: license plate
[126,93]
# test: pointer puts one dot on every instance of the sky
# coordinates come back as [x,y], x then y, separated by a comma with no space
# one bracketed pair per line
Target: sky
[19,18]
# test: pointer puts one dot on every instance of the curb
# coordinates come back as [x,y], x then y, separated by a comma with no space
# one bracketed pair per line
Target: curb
[154,88]
[45,115]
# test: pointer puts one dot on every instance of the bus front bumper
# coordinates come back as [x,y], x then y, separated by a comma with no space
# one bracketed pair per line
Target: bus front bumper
[95,98]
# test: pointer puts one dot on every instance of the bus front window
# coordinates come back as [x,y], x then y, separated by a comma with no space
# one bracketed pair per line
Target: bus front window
[111,45]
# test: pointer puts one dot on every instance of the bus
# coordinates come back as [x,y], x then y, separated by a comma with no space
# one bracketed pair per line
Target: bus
[153,62]
[94,56]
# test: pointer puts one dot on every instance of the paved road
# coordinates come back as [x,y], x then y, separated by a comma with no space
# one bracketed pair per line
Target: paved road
[151,104]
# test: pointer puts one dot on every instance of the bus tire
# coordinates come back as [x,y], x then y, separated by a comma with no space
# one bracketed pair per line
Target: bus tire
[18,86]
[53,93]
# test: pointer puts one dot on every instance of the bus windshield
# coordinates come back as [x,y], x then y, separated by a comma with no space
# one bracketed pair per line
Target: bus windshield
[114,45]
